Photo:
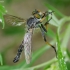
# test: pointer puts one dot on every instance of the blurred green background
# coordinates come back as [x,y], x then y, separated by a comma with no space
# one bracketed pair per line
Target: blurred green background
[11,36]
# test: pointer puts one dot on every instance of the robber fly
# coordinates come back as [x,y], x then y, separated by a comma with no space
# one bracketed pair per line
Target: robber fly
[33,22]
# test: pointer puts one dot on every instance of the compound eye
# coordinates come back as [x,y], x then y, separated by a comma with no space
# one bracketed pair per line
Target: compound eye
[35,11]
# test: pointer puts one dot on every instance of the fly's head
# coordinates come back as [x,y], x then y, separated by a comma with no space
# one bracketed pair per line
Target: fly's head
[37,14]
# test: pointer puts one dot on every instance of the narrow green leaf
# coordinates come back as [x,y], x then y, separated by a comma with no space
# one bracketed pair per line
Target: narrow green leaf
[68,65]
[66,37]
[53,66]
[60,57]
[1,60]
[2,20]
[2,9]
[68,53]
[2,12]
[54,9]
[48,63]
[5,67]
[55,18]
[62,21]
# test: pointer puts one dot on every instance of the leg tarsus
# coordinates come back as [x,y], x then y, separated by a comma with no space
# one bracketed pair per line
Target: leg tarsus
[52,47]
[54,50]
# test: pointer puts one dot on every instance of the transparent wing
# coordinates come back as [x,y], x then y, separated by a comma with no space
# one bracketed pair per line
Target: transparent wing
[13,20]
[27,46]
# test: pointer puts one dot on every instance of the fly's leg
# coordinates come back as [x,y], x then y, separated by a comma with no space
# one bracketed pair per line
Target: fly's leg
[20,49]
[42,19]
[43,30]
[43,34]
[52,47]
[46,24]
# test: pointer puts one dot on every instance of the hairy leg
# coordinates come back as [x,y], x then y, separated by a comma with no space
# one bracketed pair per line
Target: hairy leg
[43,34]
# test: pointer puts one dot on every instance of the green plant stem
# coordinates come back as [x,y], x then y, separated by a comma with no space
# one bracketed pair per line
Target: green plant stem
[62,21]
[62,64]
[44,64]
[1,59]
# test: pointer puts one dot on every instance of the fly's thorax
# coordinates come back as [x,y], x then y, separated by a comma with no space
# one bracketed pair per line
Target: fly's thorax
[33,22]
